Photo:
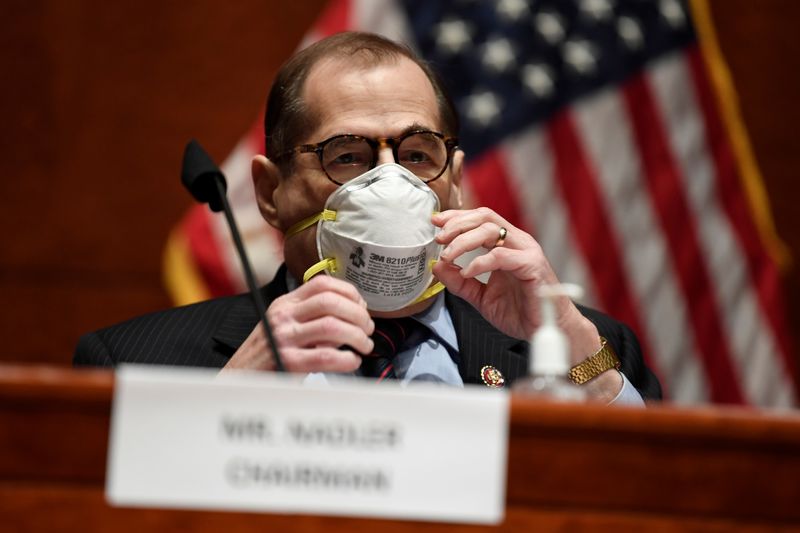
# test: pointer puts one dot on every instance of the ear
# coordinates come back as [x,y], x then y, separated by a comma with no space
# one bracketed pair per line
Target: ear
[456,174]
[266,178]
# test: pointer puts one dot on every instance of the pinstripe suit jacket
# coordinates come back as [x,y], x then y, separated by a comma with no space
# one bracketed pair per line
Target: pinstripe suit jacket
[208,333]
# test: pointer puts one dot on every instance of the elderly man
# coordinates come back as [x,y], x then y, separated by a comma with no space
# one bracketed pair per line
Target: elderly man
[356,123]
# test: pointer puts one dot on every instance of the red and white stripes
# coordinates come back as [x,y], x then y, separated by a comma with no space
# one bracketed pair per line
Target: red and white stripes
[634,193]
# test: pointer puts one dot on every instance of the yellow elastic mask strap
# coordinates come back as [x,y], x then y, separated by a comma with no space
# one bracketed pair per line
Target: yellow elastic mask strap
[433,290]
[326,214]
[329,264]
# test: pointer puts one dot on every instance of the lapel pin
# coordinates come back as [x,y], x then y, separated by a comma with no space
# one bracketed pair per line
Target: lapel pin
[492,377]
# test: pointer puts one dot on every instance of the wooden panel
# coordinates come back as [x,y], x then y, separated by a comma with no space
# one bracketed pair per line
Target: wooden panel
[83,509]
[98,100]
[606,459]
[573,467]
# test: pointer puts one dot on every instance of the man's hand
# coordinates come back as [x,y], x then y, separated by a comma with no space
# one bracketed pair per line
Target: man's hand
[518,268]
[509,300]
[309,325]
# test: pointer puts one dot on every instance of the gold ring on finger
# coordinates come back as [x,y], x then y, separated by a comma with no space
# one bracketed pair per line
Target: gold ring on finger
[501,238]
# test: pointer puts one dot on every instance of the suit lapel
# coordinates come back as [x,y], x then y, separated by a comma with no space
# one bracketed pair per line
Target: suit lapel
[480,344]
[242,317]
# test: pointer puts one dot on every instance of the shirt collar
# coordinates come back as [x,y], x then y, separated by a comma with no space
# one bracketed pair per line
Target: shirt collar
[438,320]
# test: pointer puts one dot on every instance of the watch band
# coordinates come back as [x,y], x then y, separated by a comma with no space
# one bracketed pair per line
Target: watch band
[604,359]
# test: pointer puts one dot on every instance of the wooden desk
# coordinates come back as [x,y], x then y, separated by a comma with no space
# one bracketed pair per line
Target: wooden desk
[571,468]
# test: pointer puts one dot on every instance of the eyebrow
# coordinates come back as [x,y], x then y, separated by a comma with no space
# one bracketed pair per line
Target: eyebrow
[415,126]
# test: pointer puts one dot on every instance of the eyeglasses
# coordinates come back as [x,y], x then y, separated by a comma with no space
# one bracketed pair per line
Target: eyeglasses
[344,157]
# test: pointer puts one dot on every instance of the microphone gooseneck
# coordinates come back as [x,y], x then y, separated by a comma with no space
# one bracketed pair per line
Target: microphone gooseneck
[206,182]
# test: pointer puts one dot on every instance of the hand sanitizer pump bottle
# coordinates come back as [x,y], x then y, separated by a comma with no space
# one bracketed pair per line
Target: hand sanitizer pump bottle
[548,361]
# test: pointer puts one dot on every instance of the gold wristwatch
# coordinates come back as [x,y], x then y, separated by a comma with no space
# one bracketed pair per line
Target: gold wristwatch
[604,359]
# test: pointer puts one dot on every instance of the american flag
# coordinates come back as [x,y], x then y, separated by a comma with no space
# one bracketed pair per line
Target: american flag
[605,128]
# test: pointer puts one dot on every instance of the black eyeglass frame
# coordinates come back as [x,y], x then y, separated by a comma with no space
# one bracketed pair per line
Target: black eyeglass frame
[450,143]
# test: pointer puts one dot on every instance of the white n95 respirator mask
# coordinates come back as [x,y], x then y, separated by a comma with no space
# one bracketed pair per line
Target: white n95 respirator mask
[376,233]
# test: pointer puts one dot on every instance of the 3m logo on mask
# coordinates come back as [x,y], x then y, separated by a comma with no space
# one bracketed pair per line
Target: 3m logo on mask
[376,233]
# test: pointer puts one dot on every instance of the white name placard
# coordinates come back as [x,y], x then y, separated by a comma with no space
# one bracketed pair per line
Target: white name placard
[193,439]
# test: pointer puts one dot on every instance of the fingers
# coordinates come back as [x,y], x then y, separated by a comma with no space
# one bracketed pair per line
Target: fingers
[484,235]
[466,288]
[465,231]
[255,354]
[462,231]
[326,331]
[320,359]
[322,296]
[321,283]
[312,326]
[325,311]
[334,305]
[456,222]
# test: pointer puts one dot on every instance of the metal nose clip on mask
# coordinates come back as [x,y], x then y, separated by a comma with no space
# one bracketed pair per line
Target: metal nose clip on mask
[376,233]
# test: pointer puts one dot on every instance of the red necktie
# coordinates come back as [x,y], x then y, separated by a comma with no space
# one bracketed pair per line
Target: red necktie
[390,336]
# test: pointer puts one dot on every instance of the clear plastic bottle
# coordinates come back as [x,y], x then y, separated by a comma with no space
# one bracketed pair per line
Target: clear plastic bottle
[549,358]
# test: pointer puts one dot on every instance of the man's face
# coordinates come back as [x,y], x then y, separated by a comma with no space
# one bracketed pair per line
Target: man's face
[382,101]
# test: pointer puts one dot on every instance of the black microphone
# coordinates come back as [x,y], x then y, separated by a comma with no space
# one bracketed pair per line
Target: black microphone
[200,175]
[207,184]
